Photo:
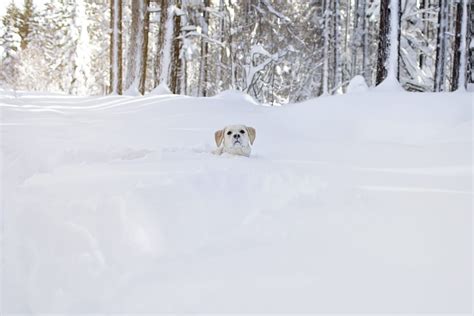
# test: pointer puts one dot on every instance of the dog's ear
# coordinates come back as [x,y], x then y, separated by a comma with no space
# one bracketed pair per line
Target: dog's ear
[219,137]
[252,134]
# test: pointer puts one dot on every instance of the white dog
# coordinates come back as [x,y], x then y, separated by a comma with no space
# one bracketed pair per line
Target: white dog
[235,140]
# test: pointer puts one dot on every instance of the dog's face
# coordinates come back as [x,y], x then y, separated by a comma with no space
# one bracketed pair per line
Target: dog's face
[236,139]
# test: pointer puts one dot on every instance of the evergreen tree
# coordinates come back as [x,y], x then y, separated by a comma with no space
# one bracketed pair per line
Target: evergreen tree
[10,43]
[25,23]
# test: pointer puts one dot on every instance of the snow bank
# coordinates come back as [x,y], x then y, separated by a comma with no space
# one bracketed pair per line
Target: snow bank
[116,204]
[235,96]
[161,89]
[357,85]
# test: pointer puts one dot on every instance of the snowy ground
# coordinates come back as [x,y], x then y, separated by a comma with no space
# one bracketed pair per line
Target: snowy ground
[353,204]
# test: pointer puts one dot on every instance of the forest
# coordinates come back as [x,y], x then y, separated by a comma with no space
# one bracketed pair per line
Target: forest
[257,157]
[278,51]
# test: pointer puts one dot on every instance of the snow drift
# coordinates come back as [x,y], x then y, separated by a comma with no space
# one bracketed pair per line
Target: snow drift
[352,204]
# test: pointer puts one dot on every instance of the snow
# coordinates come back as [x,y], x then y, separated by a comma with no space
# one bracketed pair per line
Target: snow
[357,85]
[161,89]
[116,204]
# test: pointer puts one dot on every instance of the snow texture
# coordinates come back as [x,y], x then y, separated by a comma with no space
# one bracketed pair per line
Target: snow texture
[116,205]
[161,89]
[357,85]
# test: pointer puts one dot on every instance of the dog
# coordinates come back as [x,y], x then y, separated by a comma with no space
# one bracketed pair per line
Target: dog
[235,140]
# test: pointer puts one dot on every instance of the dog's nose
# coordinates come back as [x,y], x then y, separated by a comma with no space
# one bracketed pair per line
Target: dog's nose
[237,136]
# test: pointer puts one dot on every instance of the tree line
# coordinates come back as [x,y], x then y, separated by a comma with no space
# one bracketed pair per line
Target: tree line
[278,51]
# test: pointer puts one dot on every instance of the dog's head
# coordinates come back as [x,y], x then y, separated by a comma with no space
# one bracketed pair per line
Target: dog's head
[235,137]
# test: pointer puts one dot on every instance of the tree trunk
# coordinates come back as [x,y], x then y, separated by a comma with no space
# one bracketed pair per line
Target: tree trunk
[136,38]
[161,41]
[355,45]
[464,48]
[441,47]
[144,48]
[326,16]
[399,38]
[176,60]
[116,46]
[457,46]
[422,8]
[469,45]
[231,48]
[111,48]
[366,45]
[203,68]
[469,14]
[337,50]
[221,70]
[383,41]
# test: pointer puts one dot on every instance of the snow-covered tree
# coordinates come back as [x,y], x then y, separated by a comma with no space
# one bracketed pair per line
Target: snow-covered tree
[277,51]
[10,43]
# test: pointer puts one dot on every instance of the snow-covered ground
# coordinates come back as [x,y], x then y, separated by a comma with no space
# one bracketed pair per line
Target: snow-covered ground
[353,204]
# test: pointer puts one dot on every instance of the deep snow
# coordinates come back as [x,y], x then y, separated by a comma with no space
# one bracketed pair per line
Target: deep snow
[353,204]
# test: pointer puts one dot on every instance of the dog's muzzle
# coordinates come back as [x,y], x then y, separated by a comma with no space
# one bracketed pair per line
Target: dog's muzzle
[237,140]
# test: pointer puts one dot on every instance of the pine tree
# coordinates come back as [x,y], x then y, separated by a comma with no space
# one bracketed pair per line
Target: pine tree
[26,18]
[10,42]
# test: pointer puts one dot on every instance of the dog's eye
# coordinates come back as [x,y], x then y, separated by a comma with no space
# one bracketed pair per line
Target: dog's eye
[242,131]
[229,133]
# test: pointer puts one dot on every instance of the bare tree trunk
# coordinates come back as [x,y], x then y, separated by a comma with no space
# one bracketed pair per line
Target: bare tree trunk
[111,48]
[136,39]
[464,47]
[220,73]
[346,67]
[119,49]
[469,14]
[422,8]
[175,59]
[116,46]
[326,48]
[366,49]
[355,45]
[183,76]
[457,46]
[231,49]
[161,41]
[203,68]
[441,47]
[144,48]
[399,38]
[383,41]
[337,55]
